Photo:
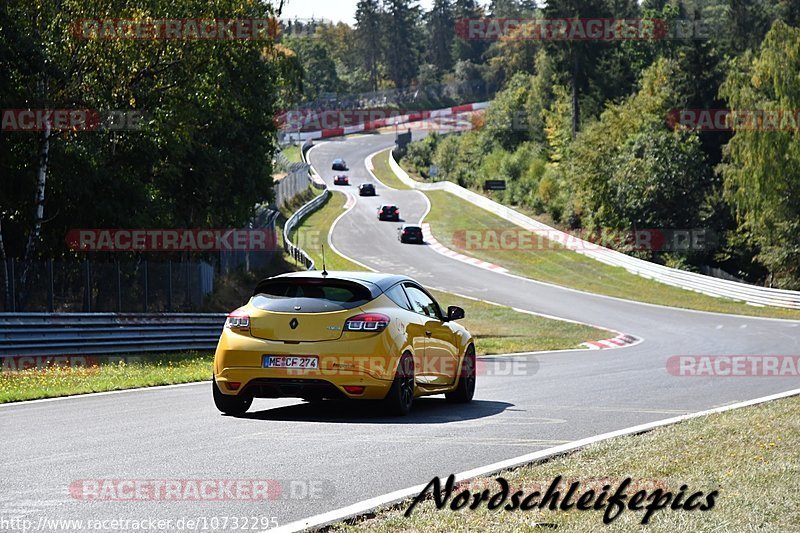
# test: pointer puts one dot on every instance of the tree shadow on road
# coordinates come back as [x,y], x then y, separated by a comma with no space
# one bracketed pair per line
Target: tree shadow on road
[425,411]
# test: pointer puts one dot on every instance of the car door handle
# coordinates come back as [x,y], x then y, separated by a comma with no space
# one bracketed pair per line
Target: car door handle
[428,333]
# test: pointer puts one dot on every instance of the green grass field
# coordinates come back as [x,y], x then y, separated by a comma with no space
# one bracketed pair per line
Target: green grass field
[384,172]
[749,455]
[148,371]
[498,329]
[292,153]
[450,216]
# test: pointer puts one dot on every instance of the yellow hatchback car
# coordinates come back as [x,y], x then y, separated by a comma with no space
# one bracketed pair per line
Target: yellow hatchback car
[359,335]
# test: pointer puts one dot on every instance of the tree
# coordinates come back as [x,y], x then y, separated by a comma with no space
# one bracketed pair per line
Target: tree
[440,27]
[510,8]
[368,38]
[660,179]
[400,34]
[602,159]
[761,166]
[584,60]
[467,49]
[209,108]
[319,68]
[506,120]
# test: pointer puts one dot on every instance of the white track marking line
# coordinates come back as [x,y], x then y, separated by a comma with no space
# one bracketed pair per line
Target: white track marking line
[397,496]
[793,322]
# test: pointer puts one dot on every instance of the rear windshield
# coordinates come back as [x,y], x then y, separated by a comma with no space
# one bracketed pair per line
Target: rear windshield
[389,208]
[413,229]
[310,295]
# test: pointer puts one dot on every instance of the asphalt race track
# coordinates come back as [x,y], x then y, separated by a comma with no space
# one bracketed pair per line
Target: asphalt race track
[350,452]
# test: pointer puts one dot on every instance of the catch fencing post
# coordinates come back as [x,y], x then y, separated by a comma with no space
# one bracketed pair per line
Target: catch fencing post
[119,287]
[87,287]
[50,287]
[144,272]
[13,286]
[169,285]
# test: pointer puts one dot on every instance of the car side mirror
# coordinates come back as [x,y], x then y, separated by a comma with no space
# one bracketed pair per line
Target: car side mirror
[454,313]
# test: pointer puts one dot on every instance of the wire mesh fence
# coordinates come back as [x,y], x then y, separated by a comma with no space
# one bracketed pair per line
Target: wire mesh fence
[90,286]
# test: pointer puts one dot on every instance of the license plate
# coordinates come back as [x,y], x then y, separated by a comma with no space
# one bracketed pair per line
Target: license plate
[283,361]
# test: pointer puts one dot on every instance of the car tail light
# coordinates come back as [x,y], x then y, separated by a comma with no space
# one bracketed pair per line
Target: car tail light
[370,322]
[238,321]
[396,211]
[354,389]
[234,385]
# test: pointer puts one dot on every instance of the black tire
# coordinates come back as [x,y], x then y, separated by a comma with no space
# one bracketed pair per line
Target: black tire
[401,395]
[466,381]
[231,405]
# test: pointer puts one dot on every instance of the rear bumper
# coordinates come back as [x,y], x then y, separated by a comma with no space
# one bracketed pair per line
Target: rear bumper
[291,388]
[368,362]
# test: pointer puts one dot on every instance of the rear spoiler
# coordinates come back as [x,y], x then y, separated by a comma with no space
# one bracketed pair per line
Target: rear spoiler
[373,290]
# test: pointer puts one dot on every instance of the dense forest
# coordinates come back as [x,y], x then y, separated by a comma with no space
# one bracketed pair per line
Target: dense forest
[579,129]
[200,157]
[583,131]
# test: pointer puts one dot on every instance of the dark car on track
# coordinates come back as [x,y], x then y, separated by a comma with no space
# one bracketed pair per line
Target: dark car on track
[410,233]
[388,212]
[341,180]
[366,189]
[339,164]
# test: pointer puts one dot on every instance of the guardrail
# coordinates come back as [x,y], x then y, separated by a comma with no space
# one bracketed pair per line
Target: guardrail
[44,334]
[296,252]
[750,294]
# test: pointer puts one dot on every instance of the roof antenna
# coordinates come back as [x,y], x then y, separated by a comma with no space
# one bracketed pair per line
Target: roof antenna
[324,269]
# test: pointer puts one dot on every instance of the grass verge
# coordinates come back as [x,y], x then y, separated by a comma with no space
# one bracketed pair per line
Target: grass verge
[384,172]
[749,455]
[292,153]
[554,264]
[143,370]
[497,329]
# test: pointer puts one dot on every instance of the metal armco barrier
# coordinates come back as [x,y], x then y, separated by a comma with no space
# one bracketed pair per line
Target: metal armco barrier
[296,252]
[106,333]
[751,294]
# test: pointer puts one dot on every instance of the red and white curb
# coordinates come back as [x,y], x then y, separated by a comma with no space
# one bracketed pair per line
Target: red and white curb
[620,341]
[415,116]
[437,247]
[351,201]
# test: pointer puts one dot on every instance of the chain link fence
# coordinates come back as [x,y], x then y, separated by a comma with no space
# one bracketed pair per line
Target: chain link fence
[88,286]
